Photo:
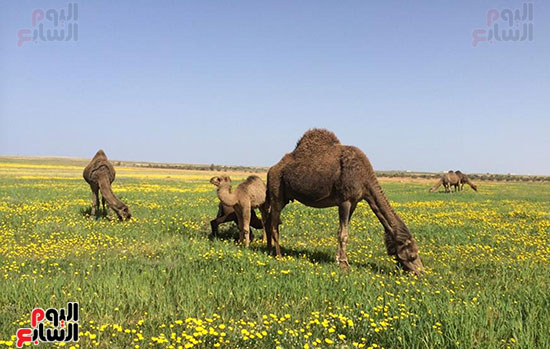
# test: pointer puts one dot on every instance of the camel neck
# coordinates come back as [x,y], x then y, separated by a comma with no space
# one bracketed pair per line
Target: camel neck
[226,196]
[107,193]
[384,212]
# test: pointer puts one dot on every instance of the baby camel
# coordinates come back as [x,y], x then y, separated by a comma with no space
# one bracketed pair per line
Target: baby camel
[248,195]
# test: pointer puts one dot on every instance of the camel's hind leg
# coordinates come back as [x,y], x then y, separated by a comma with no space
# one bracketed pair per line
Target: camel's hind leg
[344,213]
[238,213]
[95,200]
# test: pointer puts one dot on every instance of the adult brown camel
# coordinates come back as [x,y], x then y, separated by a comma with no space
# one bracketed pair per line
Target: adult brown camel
[227,214]
[464,179]
[448,180]
[248,195]
[321,172]
[99,174]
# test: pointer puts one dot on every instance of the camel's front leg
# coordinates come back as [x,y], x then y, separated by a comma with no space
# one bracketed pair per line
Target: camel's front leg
[95,200]
[239,214]
[246,224]
[344,213]
[272,234]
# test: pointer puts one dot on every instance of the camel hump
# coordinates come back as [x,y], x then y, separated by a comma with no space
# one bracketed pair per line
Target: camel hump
[254,180]
[100,155]
[314,140]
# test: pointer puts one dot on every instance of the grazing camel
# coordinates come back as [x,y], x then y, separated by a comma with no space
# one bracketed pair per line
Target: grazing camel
[227,214]
[447,180]
[248,195]
[464,179]
[321,172]
[99,174]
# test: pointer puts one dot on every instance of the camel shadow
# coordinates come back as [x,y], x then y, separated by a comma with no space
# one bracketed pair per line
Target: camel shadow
[231,233]
[321,257]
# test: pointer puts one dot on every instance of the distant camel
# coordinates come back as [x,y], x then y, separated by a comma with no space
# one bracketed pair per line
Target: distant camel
[464,179]
[447,180]
[99,174]
[248,195]
[227,214]
[321,172]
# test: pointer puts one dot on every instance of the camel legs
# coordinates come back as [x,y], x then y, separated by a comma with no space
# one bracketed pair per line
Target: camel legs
[272,232]
[220,220]
[243,221]
[239,224]
[232,217]
[245,229]
[345,210]
[265,224]
[95,200]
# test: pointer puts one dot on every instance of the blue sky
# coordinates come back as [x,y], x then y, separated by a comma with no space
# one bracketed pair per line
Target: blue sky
[238,82]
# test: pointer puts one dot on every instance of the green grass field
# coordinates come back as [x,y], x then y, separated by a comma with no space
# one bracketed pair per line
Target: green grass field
[158,281]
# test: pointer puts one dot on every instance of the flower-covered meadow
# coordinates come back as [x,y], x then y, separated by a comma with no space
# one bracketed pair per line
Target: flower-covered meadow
[159,281]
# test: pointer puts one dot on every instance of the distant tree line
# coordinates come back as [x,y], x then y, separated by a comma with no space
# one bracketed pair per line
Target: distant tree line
[394,174]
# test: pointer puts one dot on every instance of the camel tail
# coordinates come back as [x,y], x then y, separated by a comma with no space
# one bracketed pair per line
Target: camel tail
[437,185]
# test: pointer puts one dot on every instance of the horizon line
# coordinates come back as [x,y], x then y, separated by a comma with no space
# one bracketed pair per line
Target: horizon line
[76,158]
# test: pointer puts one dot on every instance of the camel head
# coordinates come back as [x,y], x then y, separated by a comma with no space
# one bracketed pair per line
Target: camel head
[408,258]
[123,213]
[219,180]
[474,187]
